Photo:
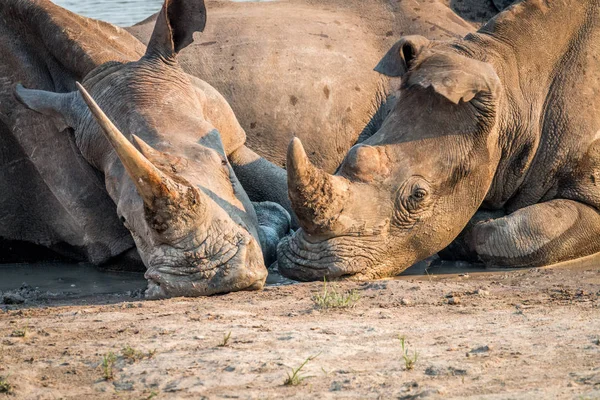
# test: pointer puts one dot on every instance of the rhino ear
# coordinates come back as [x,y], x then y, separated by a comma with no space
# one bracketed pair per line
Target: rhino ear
[175,26]
[456,77]
[398,60]
[58,106]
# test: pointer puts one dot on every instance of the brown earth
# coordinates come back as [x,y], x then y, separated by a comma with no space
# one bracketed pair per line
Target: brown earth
[493,335]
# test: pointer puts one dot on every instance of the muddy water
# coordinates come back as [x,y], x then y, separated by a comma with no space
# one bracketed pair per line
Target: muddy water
[118,12]
[56,281]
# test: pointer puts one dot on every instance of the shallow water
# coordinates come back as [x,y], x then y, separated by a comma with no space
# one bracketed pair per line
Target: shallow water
[118,12]
[49,283]
[55,280]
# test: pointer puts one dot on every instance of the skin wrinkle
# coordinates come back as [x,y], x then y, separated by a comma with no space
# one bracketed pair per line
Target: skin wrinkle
[325,258]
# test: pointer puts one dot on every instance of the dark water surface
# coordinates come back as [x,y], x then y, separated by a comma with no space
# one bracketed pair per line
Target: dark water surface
[54,280]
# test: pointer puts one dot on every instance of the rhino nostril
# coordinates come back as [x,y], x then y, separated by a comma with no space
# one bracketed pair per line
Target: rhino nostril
[154,290]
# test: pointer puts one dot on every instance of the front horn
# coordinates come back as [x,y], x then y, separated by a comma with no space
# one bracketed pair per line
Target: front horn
[316,196]
[150,182]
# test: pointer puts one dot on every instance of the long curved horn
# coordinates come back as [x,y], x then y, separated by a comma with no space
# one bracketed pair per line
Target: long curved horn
[149,180]
[317,197]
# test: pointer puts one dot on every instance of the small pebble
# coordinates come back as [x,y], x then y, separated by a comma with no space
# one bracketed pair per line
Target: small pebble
[406,302]
[454,301]
[479,350]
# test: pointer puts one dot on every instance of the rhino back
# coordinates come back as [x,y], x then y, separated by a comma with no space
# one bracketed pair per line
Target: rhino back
[50,195]
[305,68]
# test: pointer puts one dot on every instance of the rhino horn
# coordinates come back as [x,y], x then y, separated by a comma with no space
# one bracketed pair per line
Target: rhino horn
[150,182]
[316,196]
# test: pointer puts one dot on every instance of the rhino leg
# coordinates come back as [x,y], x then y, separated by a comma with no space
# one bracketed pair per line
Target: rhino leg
[274,223]
[261,179]
[538,235]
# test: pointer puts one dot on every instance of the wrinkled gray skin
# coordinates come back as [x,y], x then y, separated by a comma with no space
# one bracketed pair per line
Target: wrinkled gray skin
[72,190]
[505,122]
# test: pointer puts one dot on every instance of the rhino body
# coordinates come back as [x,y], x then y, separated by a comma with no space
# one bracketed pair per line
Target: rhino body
[493,142]
[133,159]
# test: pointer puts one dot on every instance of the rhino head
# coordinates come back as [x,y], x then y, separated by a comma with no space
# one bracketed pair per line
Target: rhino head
[144,125]
[406,192]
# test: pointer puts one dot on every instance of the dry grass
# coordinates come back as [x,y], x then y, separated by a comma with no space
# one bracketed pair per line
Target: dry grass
[225,341]
[132,355]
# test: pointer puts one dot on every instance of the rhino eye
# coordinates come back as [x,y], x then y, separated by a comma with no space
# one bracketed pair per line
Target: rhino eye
[419,194]
[416,198]
[413,202]
[414,195]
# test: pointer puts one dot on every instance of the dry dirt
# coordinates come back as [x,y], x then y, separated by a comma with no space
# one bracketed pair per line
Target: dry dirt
[521,334]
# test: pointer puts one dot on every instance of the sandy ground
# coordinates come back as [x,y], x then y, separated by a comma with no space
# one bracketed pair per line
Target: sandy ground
[521,334]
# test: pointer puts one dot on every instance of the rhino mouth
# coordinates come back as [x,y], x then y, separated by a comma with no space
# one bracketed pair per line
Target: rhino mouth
[303,258]
[237,267]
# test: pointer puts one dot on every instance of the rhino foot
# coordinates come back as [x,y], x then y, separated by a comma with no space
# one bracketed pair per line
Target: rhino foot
[274,223]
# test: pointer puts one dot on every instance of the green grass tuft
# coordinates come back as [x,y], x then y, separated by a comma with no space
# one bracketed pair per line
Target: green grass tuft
[5,387]
[108,363]
[296,378]
[330,298]
[132,355]
[225,341]
[409,362]
[21,332]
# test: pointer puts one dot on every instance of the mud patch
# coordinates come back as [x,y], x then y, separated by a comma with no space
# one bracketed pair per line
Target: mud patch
[61,283]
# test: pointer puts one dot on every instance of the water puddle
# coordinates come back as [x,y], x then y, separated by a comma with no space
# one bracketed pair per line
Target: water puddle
[40,283]
[118,12]
[63,283]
